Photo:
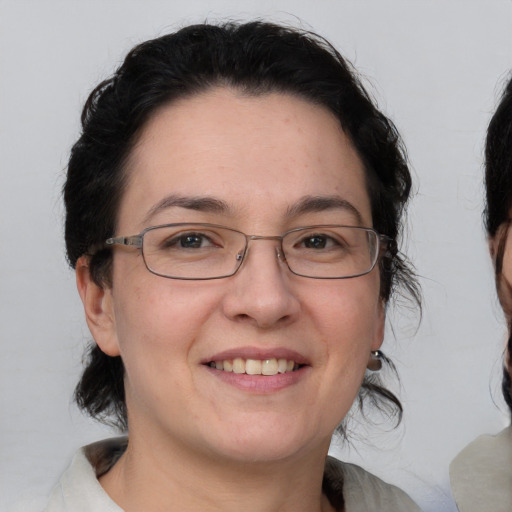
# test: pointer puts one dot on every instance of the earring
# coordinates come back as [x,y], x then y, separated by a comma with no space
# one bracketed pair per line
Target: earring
[375,360]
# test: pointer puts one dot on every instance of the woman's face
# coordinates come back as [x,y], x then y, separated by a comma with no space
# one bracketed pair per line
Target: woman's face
[504,280]
[261,160]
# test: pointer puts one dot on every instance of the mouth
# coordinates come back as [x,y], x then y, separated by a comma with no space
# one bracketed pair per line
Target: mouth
[265,367]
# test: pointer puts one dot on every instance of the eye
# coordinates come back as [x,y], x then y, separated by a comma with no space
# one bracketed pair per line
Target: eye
[194,240]
[318,241]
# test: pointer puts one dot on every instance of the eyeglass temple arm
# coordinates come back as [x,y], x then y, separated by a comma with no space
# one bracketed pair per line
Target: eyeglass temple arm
[135,240]
[388,244]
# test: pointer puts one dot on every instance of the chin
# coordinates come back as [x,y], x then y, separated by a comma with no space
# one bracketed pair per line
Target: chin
[270,444]
[262,453]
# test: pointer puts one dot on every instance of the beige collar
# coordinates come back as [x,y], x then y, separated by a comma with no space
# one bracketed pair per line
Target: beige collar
[481,474]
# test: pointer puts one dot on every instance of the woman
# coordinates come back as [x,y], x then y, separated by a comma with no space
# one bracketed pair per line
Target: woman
[233,206]
[481,474]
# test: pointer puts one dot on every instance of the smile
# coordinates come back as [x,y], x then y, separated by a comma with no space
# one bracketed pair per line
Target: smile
[269,367]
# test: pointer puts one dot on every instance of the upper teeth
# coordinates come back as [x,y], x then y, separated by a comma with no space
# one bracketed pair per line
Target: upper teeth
[255,366]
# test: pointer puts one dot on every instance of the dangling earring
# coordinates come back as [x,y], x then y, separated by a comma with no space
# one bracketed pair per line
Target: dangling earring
[375,360]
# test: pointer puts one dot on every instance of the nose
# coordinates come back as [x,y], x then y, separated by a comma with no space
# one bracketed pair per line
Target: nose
[261,292]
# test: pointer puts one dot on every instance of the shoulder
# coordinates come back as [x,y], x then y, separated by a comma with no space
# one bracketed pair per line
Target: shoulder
[79,489]
[363,491]
[481,474]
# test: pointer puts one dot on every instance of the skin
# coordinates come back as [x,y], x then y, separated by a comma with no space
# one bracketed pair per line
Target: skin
[251,449]
[505,279]
[506,271]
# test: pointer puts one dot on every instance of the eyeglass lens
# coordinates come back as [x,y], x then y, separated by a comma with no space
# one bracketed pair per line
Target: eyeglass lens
[196,251]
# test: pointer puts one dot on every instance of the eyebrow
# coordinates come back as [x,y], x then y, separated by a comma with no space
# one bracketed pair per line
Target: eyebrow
[200,204]
[314,204]
[306,204]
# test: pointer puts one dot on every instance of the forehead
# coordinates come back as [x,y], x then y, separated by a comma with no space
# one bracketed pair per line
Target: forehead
[255,153]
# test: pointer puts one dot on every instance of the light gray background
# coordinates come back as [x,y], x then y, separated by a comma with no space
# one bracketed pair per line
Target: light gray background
[436,67]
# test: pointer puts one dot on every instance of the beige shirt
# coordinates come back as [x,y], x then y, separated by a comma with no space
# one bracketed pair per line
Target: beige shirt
[80,491]
[481,474]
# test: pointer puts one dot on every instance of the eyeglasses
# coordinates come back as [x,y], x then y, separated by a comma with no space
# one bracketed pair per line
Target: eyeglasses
[208,251]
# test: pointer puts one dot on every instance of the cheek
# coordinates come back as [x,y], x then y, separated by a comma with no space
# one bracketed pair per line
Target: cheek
[350,325]
[505,280]
[351,306]
[350,319]
[507,260]
[158,326]
[158,321]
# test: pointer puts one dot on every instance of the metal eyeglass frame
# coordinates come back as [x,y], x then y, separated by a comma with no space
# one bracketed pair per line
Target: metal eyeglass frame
[138,241]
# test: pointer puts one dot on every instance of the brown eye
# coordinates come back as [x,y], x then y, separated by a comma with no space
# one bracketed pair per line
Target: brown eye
[318,241]
[188,241]
[191,241]
[315,242]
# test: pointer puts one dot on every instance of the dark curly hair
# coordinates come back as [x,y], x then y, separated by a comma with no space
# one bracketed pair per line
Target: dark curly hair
[256,58]
[498,187]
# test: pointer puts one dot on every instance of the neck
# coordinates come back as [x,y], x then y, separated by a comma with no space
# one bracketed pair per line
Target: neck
[157,477]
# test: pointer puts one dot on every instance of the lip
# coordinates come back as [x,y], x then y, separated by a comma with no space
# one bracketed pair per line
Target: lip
[259,384]
[258,353]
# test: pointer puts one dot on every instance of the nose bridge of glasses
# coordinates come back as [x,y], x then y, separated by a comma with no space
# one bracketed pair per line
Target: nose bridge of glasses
[277,238]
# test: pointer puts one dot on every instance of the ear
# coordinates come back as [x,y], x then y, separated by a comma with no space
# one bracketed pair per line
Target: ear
[380,325]
[498,242]
[493,247]
[98,307]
